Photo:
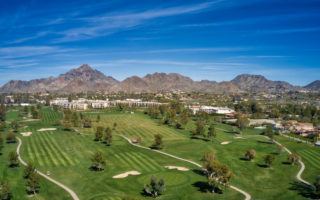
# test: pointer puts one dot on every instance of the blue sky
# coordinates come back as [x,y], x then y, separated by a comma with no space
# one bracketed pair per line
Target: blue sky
[214,40]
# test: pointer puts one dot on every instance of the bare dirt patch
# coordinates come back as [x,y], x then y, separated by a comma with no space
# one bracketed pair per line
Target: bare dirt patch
[126,174]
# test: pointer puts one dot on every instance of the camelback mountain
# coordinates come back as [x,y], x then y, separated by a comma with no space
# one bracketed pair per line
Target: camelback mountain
[87,79]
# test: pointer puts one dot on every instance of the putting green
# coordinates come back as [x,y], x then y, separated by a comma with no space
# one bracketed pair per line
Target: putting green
[171,178]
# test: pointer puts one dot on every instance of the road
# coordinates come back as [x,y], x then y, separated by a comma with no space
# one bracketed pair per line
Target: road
[67,189]
[247,195]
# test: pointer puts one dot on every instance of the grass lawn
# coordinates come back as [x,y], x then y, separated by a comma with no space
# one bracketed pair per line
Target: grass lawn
[16,181]
[66,155]
[278,181]
[310,155]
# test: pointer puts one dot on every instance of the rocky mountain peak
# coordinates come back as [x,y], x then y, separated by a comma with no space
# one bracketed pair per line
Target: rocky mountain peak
[84,72]
[315,85]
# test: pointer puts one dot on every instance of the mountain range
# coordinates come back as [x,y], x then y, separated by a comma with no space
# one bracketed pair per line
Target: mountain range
[87,79]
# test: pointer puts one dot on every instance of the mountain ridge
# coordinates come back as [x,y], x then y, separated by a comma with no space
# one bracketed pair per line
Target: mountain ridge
[85,79]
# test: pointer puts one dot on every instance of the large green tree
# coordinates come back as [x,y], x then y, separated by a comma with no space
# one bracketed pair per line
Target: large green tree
[158,143]
[75,119]
[200,128]
[15,126]
[98,161]
[13,159]
[155,187]
[250,154]
[29,170]
[212,133]
[293,158]
[33,183]
[99,133]
[218,175]
[67,119]
[242,121]
[11,137]
[269,133]
[268,160]
[108,136]
[2,113]
[5,191]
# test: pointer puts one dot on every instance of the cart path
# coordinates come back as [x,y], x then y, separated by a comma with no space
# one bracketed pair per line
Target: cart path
[67,189]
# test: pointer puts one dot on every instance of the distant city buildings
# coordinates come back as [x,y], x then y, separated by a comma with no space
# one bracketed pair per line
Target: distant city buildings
[212,110]
[84,104]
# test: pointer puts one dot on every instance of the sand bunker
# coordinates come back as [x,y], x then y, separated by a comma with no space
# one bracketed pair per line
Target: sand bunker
[31,120]
[226,142]
[124,175]
[26,134]
[178,168]
[238,137]
[47,129]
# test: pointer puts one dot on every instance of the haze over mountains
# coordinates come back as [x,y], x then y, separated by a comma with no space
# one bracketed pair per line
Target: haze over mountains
[85,79]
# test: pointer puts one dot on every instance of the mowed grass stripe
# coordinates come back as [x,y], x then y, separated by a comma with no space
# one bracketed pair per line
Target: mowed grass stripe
[142,161]
[160,130]
[136,132]
[312,153]
[153,162]
[35,152]
[145,132]
[39,146]
[136,161]
[31,156]
[49,153]
[312,161]
[55,155]
[121,160]
[64,161]
[130,162]
[73,142]
[64,155]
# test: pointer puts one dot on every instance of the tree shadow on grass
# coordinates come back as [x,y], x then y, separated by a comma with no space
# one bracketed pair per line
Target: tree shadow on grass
[303,190]
[199,172]
[143,193]
[264,142]
[263,165]
[243,159]
[286,163]
[200,138]
[205,187]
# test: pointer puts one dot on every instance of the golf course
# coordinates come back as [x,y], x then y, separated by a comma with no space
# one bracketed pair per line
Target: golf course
[65,156]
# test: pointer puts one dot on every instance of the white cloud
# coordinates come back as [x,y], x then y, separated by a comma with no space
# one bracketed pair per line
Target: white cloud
[28,51]
[109,24]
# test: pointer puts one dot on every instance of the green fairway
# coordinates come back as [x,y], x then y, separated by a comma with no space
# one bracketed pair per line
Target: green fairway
[17,183]
[310,155]
[247,175]
[65,155]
